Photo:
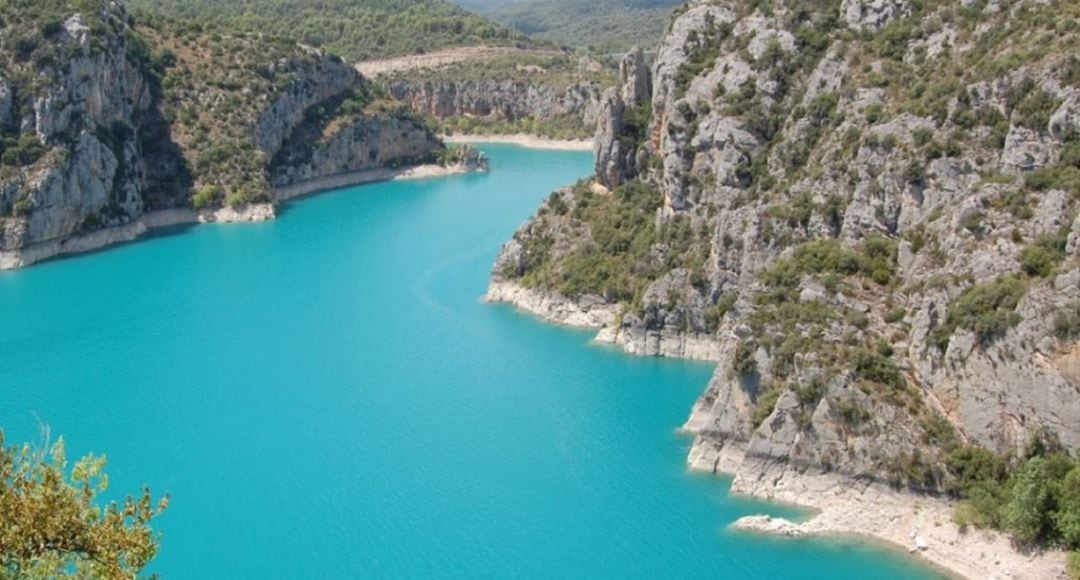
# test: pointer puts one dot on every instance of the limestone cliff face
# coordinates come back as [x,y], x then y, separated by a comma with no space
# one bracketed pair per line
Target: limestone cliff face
[575,106]
[315,81]
[875,238]
[88,119]
[616,144]
[102,122]
[367,143]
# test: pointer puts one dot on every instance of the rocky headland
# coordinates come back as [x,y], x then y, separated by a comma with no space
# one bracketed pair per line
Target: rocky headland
[110,127]
[865,213]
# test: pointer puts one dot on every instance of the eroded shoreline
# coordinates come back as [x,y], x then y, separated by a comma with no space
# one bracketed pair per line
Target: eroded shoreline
[524,140]
[257,212]
[920,525]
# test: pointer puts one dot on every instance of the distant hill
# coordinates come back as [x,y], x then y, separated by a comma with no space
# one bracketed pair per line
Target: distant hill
[601,25]
[355,29]
[482,6]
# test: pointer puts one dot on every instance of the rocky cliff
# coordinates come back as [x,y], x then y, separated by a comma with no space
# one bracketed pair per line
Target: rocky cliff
[504,100]
[556,96]
[104,119]
[864,211]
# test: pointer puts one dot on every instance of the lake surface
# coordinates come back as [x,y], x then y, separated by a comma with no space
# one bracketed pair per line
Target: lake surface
[325,395]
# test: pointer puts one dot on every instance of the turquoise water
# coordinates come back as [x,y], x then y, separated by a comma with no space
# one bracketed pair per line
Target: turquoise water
[325,396]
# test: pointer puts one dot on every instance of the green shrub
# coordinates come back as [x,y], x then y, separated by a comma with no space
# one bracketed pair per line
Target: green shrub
[1042,257]
[765,405]
[987,309]
[1035,109]
[849,412]
[894,315]
[22,207]
[972,466]
[874,113]
[1057,176]
[743,362]
[715,313]
[973,222]
[1026,514]
[876,368]
[1067,518]
[207,196]
[1067,322]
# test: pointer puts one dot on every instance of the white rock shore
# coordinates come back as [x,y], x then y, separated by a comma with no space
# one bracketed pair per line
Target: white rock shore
[179,216]
[525,140]
[919,524]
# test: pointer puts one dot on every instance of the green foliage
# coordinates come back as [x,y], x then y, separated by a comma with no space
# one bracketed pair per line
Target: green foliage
[987,309]
[877,368]
[849,412]
[602,26]
[1038,503]
[1057,176]
[743,363]
[1026,514]
[51,525]
[1042,257]
[765,404]
[972,467]
[1066,520]
[207,196]
[702,50]
[1067,322]
[715,313]
[1035,109]
[24,151]
[875,258]
[355,30]
[617,262]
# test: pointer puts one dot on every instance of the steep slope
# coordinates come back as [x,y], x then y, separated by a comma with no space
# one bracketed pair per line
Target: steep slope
[601,26]
[355,29]
[104,123]
[865,212]
[549,94]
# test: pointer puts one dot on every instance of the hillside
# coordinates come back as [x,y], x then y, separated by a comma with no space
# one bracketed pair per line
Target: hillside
[602,26]
[867,214]
[549,94]
[355,29]
[106,122]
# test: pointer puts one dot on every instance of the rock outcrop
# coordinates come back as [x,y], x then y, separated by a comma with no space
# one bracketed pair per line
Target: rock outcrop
[617,137]
[102,123]
[367,143]
[317,81]
[506,100]
[874,238]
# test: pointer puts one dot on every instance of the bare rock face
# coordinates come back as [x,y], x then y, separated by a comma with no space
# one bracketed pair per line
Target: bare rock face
[611,160]
[616,147]
[499,100]
[93,108]
[367,143]
[316,82]
[5,104]
[873,14]
[777,165]
[93,148]
[634,78]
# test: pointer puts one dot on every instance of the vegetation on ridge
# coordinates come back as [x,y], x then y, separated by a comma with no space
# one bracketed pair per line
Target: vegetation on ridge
[599,26]
[355,29]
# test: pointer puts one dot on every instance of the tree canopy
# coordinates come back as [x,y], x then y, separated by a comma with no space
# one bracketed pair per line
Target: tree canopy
[51,526]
